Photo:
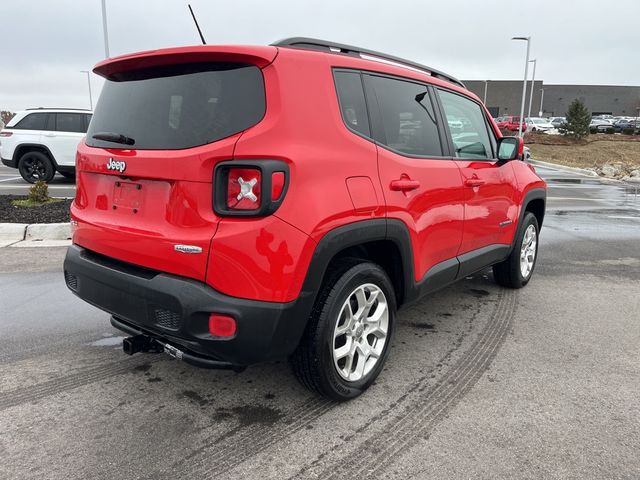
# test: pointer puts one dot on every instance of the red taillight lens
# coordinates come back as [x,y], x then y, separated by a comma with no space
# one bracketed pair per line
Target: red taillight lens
[222,325]
[243,189]
[249,188]
[5,134]
[277,185]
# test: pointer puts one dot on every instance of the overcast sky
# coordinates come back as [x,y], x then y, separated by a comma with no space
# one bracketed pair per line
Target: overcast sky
[45,43]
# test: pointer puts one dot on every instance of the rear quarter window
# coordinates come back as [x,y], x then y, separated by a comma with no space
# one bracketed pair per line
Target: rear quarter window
[33,121]
[352,101]
[179,106]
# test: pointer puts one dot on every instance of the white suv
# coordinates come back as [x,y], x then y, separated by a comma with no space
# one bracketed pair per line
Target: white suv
[39,142]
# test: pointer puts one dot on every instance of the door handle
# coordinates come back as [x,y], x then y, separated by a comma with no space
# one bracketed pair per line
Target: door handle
[473,182]
[404,185]
[49,134]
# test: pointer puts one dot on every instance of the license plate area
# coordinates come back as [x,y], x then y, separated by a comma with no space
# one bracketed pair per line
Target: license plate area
[127,195]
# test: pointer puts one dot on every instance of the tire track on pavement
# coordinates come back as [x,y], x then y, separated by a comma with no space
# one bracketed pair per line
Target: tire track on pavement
[370,457]
[252,441]
[54,386]
[214,458]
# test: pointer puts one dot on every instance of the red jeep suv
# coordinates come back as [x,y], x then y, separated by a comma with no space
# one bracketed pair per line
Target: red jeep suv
[241,204]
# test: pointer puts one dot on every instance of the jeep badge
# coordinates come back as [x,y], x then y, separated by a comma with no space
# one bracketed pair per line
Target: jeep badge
[118,165]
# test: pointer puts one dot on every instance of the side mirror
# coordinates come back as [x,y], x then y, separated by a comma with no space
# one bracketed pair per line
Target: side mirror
[510,148]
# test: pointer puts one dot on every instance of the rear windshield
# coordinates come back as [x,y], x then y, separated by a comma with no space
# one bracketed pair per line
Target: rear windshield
[178,106]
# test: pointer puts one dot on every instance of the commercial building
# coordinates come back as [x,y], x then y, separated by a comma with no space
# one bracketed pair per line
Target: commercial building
[503,97]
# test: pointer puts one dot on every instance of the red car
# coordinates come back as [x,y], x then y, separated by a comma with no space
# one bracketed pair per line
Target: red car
[511,123]
[239,204]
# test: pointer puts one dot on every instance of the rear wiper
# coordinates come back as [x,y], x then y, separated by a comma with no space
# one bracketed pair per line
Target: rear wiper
[113,137]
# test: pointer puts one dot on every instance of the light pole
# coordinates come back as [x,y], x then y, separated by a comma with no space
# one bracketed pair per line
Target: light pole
[484,100]
[541,112]
[533,84]
[104,28]
[89,83]
[524,83]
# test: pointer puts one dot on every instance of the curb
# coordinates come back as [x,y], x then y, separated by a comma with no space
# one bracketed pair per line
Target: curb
[35,234]
[581,171]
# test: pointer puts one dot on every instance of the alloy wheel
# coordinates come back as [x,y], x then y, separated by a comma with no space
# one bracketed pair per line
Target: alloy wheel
[528,251]
[361,332]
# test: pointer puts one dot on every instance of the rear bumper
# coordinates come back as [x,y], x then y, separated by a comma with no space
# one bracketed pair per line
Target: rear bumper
[10,163]
[176,310]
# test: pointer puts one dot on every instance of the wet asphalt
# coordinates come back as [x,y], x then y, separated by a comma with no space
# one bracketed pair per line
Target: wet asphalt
[11,183]
[482,382]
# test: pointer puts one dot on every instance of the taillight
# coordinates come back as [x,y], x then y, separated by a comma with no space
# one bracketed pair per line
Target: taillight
[5,133]
[243,189]
[277,185]
[249,187]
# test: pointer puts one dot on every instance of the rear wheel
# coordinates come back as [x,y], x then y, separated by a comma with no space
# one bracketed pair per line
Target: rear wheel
[34,166]
[517,269]
[349,332]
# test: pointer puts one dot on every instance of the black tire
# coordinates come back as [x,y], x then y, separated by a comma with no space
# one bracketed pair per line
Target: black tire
[34,166]
[508,273]
[312,361]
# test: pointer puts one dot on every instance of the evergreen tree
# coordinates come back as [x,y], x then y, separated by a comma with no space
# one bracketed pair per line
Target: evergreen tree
[578,120]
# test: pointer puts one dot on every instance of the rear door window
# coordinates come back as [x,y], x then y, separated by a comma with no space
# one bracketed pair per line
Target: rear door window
[179,106]
[70,122]
[471,138]
[352,102]
[33,121]
[408,121]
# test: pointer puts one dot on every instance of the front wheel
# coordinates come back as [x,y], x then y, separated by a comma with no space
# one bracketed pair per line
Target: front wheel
[349,331]
[517,269]
[34,166]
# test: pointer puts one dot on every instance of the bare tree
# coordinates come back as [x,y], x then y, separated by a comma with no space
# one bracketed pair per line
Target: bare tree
[5,116]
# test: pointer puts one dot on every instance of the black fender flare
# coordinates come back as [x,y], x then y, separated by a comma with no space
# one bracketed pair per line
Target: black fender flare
[355,234]
[532,194]
[38,146]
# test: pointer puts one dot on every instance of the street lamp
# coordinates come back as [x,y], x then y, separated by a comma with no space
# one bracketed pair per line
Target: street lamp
[88,83]
[524,83]
[104,28]
[484,100]
[533,84]
[541,112]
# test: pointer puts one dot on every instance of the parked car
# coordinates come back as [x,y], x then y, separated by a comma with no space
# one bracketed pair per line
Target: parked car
[512,124]
[557,122]
[212,230]
[598,125]
[539,124]
[42,141]
[501,122]
[624,124]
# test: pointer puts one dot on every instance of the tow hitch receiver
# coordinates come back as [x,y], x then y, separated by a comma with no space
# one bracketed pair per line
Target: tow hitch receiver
[140,343]
[145,343]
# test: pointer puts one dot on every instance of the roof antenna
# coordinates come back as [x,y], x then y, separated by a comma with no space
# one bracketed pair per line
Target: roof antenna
[197,26]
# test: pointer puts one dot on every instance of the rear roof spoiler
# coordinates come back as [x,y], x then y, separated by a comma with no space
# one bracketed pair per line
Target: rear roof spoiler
[261,56]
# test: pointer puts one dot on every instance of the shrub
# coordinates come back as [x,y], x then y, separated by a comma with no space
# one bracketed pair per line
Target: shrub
[578,120]
[39,192]
[627,131]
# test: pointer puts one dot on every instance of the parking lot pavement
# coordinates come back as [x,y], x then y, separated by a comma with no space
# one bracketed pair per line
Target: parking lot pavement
[11,183]
[482,382]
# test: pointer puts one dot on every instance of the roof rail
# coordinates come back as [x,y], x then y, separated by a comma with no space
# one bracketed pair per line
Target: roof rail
[332,47]
[59,108]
